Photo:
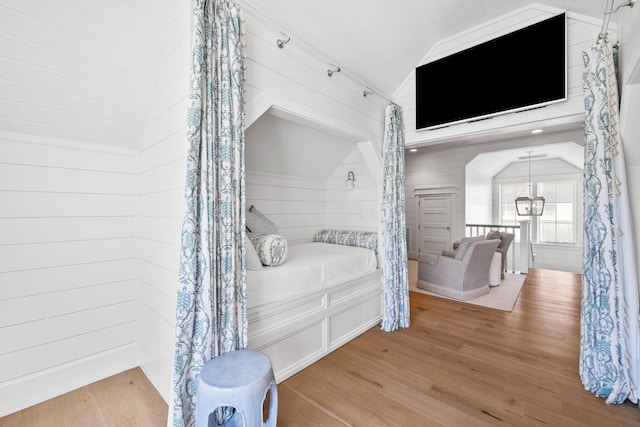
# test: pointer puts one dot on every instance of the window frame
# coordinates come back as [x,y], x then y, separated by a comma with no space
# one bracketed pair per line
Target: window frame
[535,222]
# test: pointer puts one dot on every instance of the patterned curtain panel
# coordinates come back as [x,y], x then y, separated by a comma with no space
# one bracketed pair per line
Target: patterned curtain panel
[394,267]
[211,313]
[609,351]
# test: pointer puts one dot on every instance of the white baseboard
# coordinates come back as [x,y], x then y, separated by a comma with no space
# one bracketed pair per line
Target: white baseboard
[30,390]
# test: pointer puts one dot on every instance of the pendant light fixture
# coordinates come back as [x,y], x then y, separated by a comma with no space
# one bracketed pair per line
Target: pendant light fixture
[529,206]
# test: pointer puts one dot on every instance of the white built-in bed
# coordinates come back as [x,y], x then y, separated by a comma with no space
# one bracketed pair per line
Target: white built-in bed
[324,295]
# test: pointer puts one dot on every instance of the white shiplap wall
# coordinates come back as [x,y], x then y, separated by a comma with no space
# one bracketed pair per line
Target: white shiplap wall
[161,172]
[91,249]
[301,206]
[581,33]
[77,79]
[68,289]
[80,70]
[289,79]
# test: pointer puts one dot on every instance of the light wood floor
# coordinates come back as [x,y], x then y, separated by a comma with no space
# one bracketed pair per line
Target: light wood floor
[457,365]
[124,400]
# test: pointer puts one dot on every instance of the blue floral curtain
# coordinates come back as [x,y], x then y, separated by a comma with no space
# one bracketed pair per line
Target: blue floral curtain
[211,313]
[609,349]
[394,267]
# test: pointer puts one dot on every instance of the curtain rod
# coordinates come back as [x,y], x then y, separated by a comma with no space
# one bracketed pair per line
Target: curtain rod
[607,16]
[368,89]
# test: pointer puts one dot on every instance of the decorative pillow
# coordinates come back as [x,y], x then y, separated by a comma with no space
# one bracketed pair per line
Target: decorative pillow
[272,248]
[493,234]
[464,246]
[363,239]
[252,259]
[258,223]
[505,240]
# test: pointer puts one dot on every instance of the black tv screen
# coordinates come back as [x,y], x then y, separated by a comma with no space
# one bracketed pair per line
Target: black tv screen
[518,71]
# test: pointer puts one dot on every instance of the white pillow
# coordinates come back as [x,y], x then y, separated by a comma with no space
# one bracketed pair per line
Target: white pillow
[272,248]
[252,259]
[258,223]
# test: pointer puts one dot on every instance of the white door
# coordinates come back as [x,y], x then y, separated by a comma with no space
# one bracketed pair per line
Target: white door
[435,223]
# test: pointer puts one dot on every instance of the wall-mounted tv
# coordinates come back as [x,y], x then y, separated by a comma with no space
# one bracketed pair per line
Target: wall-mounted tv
[521,70]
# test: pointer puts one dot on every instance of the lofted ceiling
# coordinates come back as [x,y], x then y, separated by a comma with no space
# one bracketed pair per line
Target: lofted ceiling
[92,66]
[82,70]
[381,41]
[275,144]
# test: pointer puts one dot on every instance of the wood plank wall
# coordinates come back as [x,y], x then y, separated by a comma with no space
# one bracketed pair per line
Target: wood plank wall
[286,78]
[58,80]
[73,112]
[161,172]
[68,288]
[581,33]
[302,206]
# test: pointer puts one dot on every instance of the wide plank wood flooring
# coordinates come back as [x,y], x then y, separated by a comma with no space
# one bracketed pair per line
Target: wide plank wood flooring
[457,365]
[124,400]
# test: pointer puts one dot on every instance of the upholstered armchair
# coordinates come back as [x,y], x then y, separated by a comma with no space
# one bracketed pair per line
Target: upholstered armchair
[503,248]
[464,276]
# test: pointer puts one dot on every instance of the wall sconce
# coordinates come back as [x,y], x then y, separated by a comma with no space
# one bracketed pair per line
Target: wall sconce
[351,181]
[330,71]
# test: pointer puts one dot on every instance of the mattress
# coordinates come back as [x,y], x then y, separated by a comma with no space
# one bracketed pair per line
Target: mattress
[309,267]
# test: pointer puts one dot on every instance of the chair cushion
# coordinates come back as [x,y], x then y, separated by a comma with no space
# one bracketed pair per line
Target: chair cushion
[493,234]
[505,240]
[450,254]
[465,242]
[428,258]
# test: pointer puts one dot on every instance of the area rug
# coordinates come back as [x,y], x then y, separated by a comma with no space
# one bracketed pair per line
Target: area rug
[502,297]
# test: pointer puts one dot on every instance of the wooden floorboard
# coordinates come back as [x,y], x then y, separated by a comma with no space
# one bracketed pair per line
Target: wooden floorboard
[457,365]
[462,365]
[124,400]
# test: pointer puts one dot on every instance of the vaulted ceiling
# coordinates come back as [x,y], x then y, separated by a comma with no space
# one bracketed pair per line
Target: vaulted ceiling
[92,65]
[381,41]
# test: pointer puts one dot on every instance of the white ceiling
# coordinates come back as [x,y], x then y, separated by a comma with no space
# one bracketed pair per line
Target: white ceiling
[92,66]
[275,144]
[382,41]
[489,164]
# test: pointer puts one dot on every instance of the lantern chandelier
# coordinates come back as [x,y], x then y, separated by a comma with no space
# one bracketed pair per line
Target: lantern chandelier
[529,206]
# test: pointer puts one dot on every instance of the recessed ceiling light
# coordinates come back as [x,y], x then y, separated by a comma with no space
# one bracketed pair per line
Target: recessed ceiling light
[413,150]
[536,131]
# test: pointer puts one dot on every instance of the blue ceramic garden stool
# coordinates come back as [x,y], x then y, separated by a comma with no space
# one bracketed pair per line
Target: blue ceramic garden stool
[240,379]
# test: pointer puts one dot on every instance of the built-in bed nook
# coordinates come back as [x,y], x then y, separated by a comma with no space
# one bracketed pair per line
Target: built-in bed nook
[313,270]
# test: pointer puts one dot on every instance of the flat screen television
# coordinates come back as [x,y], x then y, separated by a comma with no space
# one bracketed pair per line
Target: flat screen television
[521,70]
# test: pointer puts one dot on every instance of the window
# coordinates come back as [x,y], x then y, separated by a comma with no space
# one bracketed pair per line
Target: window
[508,194]
[557,224]
[558,221]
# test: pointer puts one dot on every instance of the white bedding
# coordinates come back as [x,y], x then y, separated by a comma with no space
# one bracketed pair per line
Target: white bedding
[309,267]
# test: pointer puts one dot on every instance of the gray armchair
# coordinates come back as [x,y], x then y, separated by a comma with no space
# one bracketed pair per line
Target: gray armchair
[463,277]
[503,248]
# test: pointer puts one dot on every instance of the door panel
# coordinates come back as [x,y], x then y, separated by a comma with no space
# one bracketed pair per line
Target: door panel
[435,223]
